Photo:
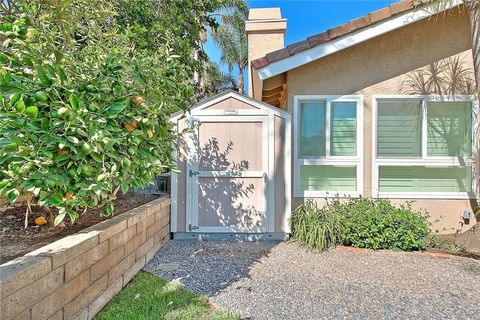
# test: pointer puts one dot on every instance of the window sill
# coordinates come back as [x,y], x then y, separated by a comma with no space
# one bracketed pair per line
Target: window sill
[426,195]
[326,194]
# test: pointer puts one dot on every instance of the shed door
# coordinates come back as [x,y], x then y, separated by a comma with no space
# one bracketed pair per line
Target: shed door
[227,174]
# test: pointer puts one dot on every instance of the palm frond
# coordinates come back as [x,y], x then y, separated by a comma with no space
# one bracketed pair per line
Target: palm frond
[229,35]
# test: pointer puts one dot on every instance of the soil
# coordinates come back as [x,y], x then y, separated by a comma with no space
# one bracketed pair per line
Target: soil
[468,243]
[16,241]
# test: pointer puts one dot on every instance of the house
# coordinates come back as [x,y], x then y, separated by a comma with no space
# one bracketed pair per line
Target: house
[357,110]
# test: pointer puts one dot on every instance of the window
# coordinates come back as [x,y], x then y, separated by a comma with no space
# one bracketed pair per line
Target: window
[312,129]
[343,129]
[328,158]
[399,129]
[449,129]
[421,144]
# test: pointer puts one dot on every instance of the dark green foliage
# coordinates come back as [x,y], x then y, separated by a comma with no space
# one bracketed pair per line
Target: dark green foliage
[184,24]
[231,39]
[85,99]
[317,228]
[362,223]
[378,224]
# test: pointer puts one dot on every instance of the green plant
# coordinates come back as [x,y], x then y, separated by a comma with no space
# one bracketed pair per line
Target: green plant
[444,244]
[147,296]
[317,228]
[83,107]
[231,39]
[362,223]
[378,224]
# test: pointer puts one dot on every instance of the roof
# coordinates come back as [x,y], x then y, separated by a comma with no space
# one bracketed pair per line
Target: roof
[352,27]
[231,94]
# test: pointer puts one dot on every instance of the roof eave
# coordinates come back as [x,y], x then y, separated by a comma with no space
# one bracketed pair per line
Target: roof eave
[353,38]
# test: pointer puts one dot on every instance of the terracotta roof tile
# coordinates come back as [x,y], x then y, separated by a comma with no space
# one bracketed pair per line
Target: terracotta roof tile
[359,23]
[277,55]
[401,6]
[356,24]
[339,31]
[298,47]
[259,63]
[318,39]
[380,15]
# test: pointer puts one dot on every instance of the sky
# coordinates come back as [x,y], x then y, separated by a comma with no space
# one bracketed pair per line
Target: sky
[309,17]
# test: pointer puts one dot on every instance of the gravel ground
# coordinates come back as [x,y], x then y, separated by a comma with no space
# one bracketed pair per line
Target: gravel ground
[271,280]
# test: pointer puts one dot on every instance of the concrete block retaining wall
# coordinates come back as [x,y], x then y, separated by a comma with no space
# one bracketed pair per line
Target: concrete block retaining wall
[75,277]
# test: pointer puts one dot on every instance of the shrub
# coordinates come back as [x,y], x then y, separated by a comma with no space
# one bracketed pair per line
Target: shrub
[317,228]
[362,223]
[378,224]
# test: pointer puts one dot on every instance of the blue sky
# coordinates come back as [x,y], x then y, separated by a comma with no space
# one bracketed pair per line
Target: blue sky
[308,17]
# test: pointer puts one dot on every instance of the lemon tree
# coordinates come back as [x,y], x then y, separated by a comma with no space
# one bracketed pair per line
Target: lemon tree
[83,109]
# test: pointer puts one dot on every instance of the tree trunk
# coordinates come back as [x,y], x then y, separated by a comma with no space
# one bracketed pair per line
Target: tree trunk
[241,85]
[473,7]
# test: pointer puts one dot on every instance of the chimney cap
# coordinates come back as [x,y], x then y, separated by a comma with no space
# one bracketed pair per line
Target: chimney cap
[264,14]
[263,20]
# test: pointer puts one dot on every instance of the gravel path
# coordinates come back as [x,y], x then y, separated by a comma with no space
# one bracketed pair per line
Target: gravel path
[271,280]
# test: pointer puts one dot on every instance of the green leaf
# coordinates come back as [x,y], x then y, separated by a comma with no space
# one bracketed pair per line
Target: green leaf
[12,195]
[42,77]
[14,98]
[73,139]
[58,55]
[118,106]
[98,158]
[124,187]
[74,102]
[59,218]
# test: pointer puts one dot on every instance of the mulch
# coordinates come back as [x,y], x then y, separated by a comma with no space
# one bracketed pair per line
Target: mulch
[16,241]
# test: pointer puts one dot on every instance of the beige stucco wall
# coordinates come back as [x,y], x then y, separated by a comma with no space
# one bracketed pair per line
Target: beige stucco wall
[260,44]
[378,67]
[265,31]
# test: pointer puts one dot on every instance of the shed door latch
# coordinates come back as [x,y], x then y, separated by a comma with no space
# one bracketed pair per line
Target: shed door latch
[190,227]
[192,173]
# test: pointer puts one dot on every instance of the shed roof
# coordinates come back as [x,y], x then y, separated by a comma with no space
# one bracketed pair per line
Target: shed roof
[231,94]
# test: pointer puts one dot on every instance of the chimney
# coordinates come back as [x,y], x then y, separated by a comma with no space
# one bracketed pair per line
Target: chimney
[265,30]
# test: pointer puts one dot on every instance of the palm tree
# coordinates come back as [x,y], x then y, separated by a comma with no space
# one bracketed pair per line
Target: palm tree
[215,81]
[473,9]
[231,39]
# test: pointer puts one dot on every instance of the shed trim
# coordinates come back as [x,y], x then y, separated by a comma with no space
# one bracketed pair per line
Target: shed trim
[226,95]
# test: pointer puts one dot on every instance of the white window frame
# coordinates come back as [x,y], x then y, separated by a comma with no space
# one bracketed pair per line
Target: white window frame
[424,159]
[328,159]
